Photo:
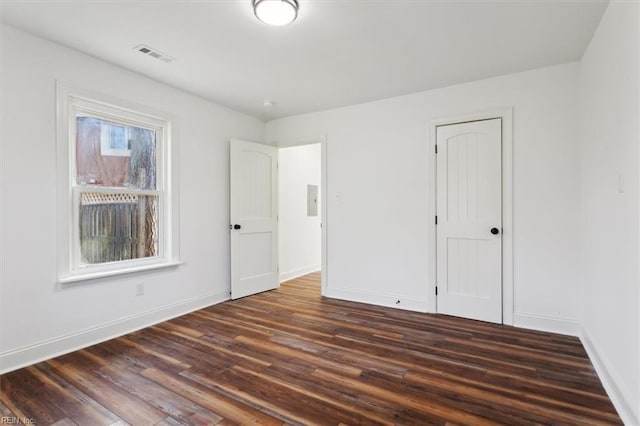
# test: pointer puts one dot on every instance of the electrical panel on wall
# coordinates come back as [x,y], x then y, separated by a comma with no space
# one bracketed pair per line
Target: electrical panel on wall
[312,200]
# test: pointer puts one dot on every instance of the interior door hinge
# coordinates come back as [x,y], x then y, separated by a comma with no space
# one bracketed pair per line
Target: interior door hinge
[436,220]
[436,290]
[436,146]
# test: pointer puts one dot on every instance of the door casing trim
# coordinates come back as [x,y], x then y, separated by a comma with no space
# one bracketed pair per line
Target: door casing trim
[506,114]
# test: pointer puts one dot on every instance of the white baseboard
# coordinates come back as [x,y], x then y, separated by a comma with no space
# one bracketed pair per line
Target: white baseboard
[612,382]
[379,299]
[549,324]
[28,355]
[286,276]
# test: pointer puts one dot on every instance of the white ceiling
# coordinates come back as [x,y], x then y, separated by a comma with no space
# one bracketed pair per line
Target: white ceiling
[336,53]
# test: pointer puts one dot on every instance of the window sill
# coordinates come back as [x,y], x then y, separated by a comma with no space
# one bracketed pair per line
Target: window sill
[103,274]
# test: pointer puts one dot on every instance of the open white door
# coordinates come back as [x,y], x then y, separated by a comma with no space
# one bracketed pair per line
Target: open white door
[469,220]
[254,220]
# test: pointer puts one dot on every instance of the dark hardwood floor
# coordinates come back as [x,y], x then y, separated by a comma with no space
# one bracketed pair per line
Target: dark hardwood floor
[291,357]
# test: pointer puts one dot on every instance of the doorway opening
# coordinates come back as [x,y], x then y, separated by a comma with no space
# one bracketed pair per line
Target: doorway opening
[255,216]
[300,218]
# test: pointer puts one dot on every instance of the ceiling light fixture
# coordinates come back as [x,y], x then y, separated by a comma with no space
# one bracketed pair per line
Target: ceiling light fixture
[276,12]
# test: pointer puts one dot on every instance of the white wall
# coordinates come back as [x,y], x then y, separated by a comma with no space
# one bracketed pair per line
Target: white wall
[610,94]
[378,192]
[300,236]
[39,318]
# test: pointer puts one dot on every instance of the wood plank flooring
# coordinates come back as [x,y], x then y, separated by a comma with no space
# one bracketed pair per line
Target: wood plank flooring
[291,357]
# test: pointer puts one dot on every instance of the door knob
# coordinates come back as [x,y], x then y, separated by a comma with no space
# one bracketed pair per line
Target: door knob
[236,226]
[495,231]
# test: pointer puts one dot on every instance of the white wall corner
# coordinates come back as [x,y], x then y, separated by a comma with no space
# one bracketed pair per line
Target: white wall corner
[549,324]
[289,275]
[613,384]
[42,351]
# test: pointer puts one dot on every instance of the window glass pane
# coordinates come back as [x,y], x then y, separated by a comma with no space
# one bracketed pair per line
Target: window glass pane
[113,154]
[117,226]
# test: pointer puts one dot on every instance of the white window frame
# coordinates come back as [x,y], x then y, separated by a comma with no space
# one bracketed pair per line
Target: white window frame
[70,103]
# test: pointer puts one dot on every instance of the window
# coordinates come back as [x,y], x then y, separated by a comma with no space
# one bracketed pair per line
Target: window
[115,139]
[117,194]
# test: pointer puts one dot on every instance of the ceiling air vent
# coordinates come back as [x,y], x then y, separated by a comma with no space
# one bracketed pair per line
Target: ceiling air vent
[154,53]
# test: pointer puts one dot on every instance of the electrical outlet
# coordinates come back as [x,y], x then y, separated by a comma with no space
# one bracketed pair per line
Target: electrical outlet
[140,289]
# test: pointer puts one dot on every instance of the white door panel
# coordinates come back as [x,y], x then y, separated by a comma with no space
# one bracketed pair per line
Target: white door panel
[469,205]
[254,223]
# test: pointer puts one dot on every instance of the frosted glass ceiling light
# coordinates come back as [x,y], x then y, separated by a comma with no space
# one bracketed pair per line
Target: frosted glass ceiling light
[276,12]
